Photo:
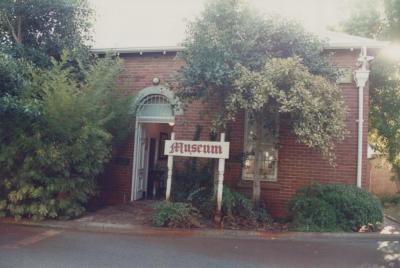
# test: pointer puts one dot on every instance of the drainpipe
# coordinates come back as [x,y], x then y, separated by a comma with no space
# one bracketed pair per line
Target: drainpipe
[361,77]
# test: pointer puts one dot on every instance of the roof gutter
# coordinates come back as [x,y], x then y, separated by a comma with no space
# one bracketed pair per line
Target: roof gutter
[174,49]
[138,50]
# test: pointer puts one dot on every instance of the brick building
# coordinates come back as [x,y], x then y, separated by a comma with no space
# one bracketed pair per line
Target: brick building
[150,70]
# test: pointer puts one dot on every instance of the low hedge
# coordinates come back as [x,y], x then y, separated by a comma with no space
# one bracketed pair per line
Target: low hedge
[238,211]
[395,199]
[334,207]
[175,215]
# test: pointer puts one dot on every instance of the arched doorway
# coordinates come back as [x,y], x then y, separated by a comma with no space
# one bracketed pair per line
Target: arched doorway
[155,108]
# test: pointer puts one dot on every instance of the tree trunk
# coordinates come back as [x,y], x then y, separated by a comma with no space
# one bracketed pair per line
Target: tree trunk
[257,164]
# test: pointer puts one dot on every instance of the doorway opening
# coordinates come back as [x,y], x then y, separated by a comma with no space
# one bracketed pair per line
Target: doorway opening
[155,108]
[152,166]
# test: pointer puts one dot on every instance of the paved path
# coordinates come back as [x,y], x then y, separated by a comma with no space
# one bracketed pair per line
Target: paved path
[22,246]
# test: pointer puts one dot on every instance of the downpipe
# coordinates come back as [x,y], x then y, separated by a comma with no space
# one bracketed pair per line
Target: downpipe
[361,77]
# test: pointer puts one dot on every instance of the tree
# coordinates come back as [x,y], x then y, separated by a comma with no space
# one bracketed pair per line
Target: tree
[366,19]
[61,110]
[384,86]
[373,19]
[50,158]
[266,66]
[40,29]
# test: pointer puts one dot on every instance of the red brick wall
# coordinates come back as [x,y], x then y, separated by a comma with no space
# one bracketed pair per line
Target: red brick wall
[139,73]
[297,165]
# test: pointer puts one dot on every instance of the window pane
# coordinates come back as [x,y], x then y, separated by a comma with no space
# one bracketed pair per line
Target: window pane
[249,166]
[268,151]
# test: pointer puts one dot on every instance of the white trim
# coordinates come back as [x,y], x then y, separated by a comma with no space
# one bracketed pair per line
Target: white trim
[139,50]
[146,170]
[135,160]
[361,77]
[158,90]
[335,40]
[154,119]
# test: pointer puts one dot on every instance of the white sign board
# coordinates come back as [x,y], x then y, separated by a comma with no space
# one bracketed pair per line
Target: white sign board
[208,149]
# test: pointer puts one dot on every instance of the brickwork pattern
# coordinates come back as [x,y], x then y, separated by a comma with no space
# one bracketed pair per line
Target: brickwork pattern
[297,165]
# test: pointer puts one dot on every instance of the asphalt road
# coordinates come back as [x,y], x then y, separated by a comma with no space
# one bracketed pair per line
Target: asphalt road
[39,247]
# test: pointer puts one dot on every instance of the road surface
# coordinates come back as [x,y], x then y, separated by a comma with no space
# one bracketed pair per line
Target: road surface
[35,247]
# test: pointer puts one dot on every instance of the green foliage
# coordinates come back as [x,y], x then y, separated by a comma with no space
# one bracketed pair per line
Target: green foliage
[385,110]
[15,77]
[374,19]
[175,215]
[366,18]
[238,211]
[384,87]
[229,51]
[50,159]
[193,176]
[60,112]
[39,29]
[334,207]
[286,86]
[203,200]
[395,199]
[312,214]
[392,16]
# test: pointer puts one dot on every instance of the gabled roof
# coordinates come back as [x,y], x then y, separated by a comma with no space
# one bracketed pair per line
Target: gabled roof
[335,40]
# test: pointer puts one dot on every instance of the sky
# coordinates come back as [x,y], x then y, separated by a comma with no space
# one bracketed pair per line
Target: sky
[150,23]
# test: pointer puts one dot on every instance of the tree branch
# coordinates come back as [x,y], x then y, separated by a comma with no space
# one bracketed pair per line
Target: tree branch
[12,30]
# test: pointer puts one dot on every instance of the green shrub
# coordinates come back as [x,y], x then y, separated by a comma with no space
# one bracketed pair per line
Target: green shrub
[395,199]
[238,211]
[313,214]
[333,207]
[194,174]
[175,215]
[50,159]
[203,200]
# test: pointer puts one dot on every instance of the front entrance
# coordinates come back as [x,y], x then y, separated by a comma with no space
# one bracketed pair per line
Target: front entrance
[151,161]
[155,118]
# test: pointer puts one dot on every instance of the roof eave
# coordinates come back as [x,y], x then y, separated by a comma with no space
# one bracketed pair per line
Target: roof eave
[174,49]
[334,46]
[139,50]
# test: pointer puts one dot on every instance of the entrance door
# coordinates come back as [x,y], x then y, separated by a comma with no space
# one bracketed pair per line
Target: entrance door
[142,163]
[154,105]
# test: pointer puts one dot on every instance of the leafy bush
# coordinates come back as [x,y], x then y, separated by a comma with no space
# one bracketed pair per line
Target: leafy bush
[238,211]
[395,199]
[50,159]
[203,200]
[194,175]
[333,207]
[175,215]
[316,215]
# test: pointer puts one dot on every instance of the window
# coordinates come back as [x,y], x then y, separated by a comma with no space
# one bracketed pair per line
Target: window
[268,151]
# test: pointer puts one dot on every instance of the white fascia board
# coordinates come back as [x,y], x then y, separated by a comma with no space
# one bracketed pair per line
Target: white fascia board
[334,40]
[125,50]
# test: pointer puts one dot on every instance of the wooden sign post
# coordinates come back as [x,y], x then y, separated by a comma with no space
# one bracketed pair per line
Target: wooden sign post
[207,149]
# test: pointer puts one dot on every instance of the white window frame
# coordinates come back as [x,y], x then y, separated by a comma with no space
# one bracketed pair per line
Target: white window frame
[268,178]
